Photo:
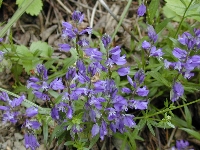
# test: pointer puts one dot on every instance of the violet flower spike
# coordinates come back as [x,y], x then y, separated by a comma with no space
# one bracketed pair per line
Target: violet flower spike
[152,33]
[141,10]
[31,111]
[77,16]
[30,141]
[123,71]
[181,144]
[106,40]
[177,91]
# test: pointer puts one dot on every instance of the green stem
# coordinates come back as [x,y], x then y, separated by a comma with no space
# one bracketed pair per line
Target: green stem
[122,18]
[15,17]
[167,110]
[26,103]
[180,24]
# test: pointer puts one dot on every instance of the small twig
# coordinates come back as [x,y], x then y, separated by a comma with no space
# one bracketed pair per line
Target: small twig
[93,13]
[170,138]
[48,16]
[107,8]
[68,10]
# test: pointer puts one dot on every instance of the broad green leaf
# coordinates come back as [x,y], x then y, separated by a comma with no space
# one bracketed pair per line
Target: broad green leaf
[192,133]
[34,8]
[46,50]
[152,9]
[22,51]
[178,7]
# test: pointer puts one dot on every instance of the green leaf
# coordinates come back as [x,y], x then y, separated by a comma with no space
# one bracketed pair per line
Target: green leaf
[93,141]
[150,128]
[34,8]
[178,7]
[45,130]
[188,116]
[1,3]
[159,78]
[153,7]
[192,133]
[43,47]
[162,25]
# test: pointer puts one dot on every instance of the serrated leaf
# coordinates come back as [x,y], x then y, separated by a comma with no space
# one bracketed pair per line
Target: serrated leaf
[34,8]
[192,132]
[179,7]
[150,128]
[43,47]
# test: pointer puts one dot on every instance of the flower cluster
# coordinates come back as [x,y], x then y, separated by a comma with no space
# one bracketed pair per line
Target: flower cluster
[187,60]
[13,115]
[149,46]
[105,105]
[71,32]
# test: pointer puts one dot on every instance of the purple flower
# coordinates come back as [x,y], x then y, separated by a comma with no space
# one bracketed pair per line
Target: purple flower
[31,111]
[146,45]
[67,25]
[1,39]
[130,80]
[115,51]
[5,108]
[10,116]
[80,66]
[177,91]
[119,60]
[57,84]
[128,120]
[123,71]
[77,16]
[83,42]
[120,103]
[141,105]
[42,71]
[64,47]
[31,124]
[181,144]
[69,112]
[139,76]
[142,91]
[141,10]
[152,33]
[34,79]
[106,40]
[167,64]
[179,53]
[41,95]
[94,54]
[17,101]
[156,53]
[70,33]
[87,30]
[30,141]
[71,73]
[126,90]
[55,113]
[103,130]
[1,55]
[4,97]
[95,129]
